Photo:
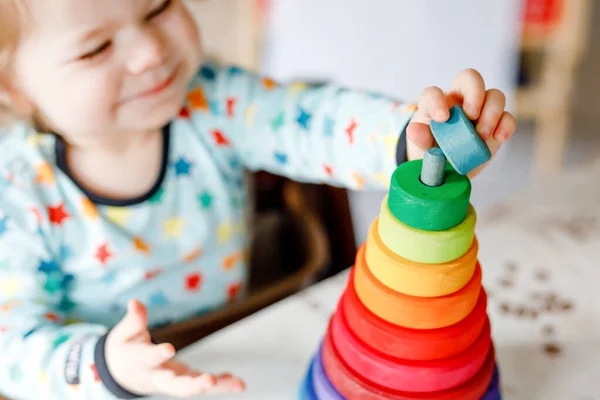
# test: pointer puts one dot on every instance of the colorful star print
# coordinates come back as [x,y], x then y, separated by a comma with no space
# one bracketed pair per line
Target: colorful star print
[141,246]
[207,73]
[48,267]
[58,214]
[64,253]
[157,197]
[152,274]
[231,103]
[231,261]
[89,209]
[103,254]
[224,232]
[193,255]
[220,138]
[350,131]
[278,122]
[183,167]
[118,215]
[328,127]
[281,158]
[193,282]
[205,199]
[328,169]
[184,113]
[60,339]
[304,118]
[44,174]
[233,291]
[94,371]
[3,225]
[391,142]
[158,299]
[269,84]
[197,99]
[172,227]
[250,113]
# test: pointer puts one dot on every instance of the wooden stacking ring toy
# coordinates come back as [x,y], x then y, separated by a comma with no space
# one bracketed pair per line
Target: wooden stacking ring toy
[353,386]
[428,208]
[412,344]
[307,391]
[412,311]
[323,387]
[493,391]
[427,247]
[460,142]
[408,375]
[415,278]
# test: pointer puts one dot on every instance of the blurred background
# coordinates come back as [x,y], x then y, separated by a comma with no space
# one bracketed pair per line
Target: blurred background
[539,52]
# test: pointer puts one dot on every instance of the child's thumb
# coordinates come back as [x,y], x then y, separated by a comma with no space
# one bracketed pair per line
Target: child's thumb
[133,323]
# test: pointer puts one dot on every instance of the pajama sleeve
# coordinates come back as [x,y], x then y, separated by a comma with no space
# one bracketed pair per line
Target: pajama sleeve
[315,133]
[42,355]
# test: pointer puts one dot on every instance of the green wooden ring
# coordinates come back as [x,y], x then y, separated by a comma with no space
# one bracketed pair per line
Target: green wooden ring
[429,208]
[426,247]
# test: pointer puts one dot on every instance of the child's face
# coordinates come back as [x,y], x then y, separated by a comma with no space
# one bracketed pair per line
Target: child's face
[107,67]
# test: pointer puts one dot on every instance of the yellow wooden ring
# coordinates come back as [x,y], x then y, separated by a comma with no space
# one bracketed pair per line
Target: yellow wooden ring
[418,279]
[429,247]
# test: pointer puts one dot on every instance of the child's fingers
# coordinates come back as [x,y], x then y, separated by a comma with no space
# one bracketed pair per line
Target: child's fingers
[432,105]
[505,128]
[470,86]
[167,382]
[493,108]
[151,355]
[134,323]
[227,384]
[494,145]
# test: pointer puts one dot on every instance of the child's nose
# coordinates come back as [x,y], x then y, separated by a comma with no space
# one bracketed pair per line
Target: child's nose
[147,52]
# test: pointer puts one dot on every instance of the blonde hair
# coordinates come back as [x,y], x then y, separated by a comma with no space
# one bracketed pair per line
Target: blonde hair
[12,28]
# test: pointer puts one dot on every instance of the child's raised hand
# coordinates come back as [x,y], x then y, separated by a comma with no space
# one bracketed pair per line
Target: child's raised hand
[484,107]
[145,368]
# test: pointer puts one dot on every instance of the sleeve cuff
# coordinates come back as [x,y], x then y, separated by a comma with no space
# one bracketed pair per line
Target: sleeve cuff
[104,373]
[401,156]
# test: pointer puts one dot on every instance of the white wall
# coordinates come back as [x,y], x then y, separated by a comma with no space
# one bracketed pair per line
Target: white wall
[397,47]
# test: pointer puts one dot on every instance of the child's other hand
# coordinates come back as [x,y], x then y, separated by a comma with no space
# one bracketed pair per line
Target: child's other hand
[144,368]
[485,107]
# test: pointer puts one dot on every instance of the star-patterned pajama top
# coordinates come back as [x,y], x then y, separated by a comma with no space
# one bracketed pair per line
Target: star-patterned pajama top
[70,260]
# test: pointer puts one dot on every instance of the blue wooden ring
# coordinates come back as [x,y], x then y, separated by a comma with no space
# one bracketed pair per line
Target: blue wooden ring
[460,142]
[307,391]
[493,392]
[321,383]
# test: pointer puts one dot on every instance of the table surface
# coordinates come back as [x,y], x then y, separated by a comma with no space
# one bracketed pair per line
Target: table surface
[539,254]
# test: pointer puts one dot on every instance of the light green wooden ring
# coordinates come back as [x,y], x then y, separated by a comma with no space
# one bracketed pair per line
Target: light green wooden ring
[427,247]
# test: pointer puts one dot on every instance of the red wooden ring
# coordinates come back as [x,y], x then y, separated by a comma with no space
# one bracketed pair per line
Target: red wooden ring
[407,343]
[353,386]
[408,375]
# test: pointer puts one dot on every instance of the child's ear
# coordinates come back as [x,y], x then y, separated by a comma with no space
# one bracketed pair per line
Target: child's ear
[14,100]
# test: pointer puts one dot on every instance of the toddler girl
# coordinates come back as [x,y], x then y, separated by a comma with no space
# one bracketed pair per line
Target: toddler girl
[122,186]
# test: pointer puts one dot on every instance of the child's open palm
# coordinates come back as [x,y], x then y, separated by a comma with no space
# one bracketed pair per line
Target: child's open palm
[145,368]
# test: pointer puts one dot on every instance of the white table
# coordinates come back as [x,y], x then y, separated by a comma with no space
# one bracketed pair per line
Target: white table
[546,242]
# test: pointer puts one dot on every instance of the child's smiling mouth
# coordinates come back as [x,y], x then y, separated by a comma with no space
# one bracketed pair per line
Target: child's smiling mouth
[156,90]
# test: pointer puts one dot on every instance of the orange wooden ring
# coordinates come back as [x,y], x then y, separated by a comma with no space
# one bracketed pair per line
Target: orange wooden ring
[412,344]
[408,375]
[414,278]
[410,311]
[352,386]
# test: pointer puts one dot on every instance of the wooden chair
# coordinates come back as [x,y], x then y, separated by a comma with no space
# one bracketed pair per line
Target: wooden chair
[562,42]
[290,251]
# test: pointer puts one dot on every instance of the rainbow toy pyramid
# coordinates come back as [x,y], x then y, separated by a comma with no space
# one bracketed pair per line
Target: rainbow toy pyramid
[412,322]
